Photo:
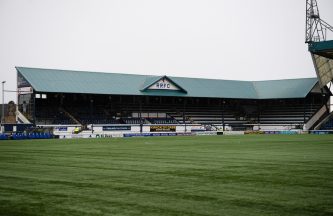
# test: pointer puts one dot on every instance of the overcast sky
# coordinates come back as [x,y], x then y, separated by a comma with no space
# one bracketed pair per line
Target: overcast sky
[219,39]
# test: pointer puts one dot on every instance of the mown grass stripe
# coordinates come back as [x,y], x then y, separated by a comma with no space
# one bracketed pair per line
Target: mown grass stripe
[219,175]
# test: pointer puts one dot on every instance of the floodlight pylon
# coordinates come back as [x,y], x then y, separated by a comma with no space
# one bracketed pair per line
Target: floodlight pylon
[315,27]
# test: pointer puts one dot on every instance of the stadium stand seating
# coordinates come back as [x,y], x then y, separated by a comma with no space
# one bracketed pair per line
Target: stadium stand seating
[162,120]
[19,136]
[3,137]
[238,114]
[328,125]
[287,113]
[97,119]
[132,120]
[52,116]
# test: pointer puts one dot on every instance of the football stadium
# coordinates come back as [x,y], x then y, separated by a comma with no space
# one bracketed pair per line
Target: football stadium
[98,143]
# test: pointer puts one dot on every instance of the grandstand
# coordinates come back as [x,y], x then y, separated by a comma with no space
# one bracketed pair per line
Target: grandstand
[321,50]
[322,56]
[97,100]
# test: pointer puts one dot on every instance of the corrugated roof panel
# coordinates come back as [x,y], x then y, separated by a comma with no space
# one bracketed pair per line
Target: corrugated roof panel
[291,88]
[49,80]
[216,88]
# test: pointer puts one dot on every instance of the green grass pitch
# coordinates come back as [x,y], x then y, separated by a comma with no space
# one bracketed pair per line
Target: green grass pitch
[216,175]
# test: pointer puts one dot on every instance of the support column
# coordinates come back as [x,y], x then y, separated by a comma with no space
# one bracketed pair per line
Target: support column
[304,109]
[222,114]
[184,113]
[140,114]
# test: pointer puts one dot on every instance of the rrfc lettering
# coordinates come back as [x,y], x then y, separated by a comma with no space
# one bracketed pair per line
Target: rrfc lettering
[162,85]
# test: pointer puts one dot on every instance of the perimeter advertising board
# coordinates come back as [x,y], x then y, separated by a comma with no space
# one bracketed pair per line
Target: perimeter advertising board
[163,128]
[116,128]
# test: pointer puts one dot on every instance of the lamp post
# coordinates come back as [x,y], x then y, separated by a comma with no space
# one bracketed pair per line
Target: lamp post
[3,103]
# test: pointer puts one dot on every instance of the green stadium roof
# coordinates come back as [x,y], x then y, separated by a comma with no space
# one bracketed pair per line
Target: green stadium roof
[65,81]
[323,48]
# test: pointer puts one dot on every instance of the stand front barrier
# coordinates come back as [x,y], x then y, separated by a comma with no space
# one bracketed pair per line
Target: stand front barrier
[20,136]
[3,137]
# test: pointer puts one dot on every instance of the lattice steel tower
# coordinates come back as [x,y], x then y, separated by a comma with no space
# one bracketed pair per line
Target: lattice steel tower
[316,28]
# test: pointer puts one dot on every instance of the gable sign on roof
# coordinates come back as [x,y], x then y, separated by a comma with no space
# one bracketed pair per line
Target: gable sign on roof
[164,83]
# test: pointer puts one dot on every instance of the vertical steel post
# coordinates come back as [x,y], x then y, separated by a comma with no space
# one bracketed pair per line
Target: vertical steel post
[184,114]
[3,103]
